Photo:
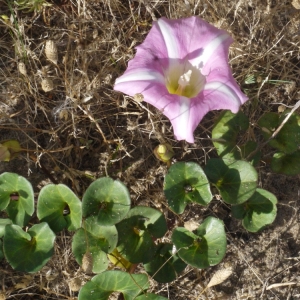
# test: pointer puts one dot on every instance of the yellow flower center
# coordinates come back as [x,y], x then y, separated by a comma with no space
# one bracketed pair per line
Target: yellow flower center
[184,80]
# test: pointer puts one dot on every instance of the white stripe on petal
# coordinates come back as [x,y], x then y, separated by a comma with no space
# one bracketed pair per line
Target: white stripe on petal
[182,120]
[209,50]
[221,87]
[168,36]
[141,75]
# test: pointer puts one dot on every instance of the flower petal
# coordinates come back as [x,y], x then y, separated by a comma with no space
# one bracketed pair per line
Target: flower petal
[168,37]
[140,75]
[219,95]
[185,116]
[180,118]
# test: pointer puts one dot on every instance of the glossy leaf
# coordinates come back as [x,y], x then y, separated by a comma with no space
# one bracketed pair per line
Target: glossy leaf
[247,149]
[97,240]
[16,197]
[3,223]
[165,266]
[235,181]
[107,199]
[59,207]
[186,182]
[204,248]
[102,285]
[28,251]
[259,211]
[225,132]
[288,138]
[288,164]
[137,231]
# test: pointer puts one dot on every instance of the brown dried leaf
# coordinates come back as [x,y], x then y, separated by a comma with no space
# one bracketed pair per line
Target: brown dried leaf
[296,4]
[47,85]
[87,262]
[75,284]
[281,108]
[63,115]
[138,97]
[191,225]
[22,68]
[24,283]
[219,277]
[51,51]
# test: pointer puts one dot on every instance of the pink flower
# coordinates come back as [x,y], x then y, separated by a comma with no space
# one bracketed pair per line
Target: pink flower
[182,69]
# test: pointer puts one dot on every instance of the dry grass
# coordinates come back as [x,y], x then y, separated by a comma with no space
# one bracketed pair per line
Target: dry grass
[62,108]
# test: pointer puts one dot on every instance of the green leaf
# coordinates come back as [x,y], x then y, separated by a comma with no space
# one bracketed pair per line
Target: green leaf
[107,199]
[96,239]
[16,197]
[1,250]
[259,211]
[205,248]
[238,211]
[288,164]
[235,181]
[28,251]
[186,182]
[248,148]
[102,285]
[59,207]
[137,231]
[3,223]
[148,296]
[165,266]
[288,138]
[225,132]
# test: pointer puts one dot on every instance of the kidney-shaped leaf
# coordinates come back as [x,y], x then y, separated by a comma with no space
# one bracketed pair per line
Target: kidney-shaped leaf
[16,197]
[205,248]
[28,251]
[107,199]
[59,207]
[236,181]
[288,164]
[165,266]
[225,131]
[259,211]
[102,285]
[136,233]
[186,181]
[288,138]
[97,240]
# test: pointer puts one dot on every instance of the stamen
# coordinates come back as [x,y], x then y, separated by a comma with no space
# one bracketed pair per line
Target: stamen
[183,81]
